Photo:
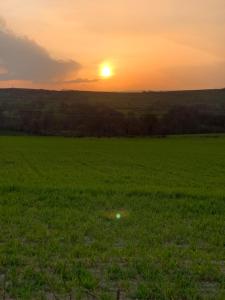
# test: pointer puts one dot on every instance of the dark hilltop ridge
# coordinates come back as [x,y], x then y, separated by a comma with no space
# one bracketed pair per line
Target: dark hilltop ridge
[80,113]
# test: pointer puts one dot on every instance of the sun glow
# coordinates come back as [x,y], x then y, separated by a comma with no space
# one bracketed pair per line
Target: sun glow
[106,71]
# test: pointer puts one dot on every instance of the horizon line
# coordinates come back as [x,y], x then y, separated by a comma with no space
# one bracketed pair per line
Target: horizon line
[116,92]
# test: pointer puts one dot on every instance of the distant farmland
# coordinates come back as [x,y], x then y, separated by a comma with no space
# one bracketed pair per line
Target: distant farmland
[76,113]
[106,218]
[212,101]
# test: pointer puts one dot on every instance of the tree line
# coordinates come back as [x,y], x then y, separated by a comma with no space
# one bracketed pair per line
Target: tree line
[83,119]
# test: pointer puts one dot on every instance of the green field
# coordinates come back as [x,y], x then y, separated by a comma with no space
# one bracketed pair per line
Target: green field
[61,235]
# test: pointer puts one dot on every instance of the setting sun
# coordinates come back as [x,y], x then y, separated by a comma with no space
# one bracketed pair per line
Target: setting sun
[106,71]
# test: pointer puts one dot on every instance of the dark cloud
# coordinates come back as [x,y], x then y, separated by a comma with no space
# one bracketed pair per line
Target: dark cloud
[23,59]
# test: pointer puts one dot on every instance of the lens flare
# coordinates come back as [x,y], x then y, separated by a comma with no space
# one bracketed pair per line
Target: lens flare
[118,216]
[115,214]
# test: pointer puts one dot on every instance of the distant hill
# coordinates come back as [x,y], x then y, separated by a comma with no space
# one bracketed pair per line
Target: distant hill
[206,100]
[16,105]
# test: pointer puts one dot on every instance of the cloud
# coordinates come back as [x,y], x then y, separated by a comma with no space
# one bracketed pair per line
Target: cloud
[81,80]
[2,23]
[24,59]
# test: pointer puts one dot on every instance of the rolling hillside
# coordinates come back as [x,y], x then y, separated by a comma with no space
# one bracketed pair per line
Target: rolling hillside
[207,100]
[80,113]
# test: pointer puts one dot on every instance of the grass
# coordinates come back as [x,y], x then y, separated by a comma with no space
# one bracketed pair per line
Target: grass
[61,237]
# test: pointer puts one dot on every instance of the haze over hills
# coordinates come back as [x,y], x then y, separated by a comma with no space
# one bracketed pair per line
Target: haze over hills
[81,113]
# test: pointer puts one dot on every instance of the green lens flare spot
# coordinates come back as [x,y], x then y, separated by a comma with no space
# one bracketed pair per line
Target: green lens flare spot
[118,216]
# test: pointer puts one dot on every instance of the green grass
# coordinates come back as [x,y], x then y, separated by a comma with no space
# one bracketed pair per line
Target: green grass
[60,238]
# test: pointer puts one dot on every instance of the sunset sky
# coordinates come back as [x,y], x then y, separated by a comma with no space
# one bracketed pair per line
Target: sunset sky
[149,45]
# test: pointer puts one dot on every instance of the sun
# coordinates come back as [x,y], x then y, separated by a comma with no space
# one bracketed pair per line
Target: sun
[106,71]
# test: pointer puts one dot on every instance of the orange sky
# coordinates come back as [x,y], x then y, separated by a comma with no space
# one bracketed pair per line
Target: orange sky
[151,45]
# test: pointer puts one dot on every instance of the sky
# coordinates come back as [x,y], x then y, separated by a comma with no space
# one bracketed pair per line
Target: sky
[149,45]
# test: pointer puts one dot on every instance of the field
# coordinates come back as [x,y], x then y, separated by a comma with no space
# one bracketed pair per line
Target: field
[112,218]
